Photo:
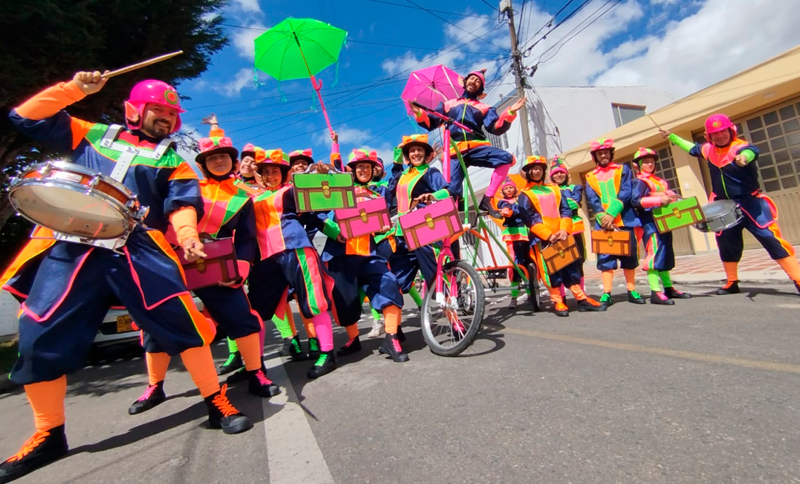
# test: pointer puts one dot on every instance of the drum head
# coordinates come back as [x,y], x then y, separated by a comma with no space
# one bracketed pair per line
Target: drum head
[714,209]
[70,210]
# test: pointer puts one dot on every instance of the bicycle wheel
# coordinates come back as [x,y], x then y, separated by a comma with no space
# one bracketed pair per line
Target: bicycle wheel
[451,325]
[533,286]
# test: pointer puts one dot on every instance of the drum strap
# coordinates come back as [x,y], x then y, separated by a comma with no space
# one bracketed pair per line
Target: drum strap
[128,152]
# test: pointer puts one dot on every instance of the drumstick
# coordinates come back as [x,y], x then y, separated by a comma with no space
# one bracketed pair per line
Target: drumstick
[146,63]
[653,120]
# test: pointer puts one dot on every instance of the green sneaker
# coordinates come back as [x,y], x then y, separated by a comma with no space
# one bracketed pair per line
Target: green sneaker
[635,298]
[605,300]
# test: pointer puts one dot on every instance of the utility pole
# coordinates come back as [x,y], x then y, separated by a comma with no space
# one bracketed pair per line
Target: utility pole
[516,63]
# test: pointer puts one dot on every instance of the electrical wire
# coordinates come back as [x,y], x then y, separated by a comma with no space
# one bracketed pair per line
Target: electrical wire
[454,25]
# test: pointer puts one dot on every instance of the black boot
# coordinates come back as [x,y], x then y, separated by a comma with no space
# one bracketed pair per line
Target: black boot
[486,206]
[635,298]
[658,297]
[325,364]
[400,336]
[352,346]
[730,287]
[233,363]
[43,448]
[238,376]
[223,415]
[590,304]
[291,347]
[797,286]
[673,293]
[313,349]
[152,397]
[391,347]
[260,385]
[606,300]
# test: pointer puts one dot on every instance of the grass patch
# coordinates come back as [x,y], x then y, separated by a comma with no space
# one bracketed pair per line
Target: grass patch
[8,355]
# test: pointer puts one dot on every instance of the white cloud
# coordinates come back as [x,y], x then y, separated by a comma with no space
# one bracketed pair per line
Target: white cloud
[721,39]
[348,135]
[242,80]
[250,6]
[243,39]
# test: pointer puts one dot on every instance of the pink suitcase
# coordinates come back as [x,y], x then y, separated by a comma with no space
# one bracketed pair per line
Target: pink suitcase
[368,217]
[219,266]
[433,223]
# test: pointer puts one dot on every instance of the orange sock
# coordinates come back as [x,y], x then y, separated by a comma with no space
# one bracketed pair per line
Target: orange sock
[157,364]
[251,353]
[391,318]
[577,292]
[630,278]
[608,281]
[555,295]
[791,267]
[352,331]
[731,271]
[311,331]
[47,402]
[200,365]
[290,317]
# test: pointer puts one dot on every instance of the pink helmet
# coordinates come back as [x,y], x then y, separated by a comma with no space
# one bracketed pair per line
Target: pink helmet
[153,91]
[249,149]
[644,153]
[718,122]
[557,165]
[602,144]
[508,182]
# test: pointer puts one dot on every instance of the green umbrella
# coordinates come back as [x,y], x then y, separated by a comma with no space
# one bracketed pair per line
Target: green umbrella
[299,48]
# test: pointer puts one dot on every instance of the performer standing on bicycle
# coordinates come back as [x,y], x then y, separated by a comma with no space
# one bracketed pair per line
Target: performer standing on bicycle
[734,176]
[549,217]
[476,151]
[417,185]
[356,267]
[515,235]
[574,195]
[650,192]
[609,189]
[67,287]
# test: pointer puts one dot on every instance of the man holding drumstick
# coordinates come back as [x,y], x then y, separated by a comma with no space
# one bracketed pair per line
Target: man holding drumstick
[66,288]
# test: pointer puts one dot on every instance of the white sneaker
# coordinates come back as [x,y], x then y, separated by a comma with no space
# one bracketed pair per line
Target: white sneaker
[377,329]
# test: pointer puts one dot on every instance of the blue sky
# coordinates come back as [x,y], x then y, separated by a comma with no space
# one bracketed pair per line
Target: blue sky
[660,43]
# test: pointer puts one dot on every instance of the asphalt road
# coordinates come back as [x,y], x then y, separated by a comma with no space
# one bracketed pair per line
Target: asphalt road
[704,391]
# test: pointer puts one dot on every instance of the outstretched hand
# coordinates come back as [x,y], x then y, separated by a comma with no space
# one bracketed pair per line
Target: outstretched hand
[517,105]
[89,82]
[664,134]
[211,120]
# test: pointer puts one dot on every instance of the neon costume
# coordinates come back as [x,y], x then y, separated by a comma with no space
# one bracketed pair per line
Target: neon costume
[574,196]
[729,181]
[660,257]
[405,186]
[286,259]
[66,288]
[357,266]
[227,210]
[547,213]
[515,235]
[609,190]
[476,151]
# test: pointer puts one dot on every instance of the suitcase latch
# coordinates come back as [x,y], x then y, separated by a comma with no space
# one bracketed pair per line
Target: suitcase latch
[201,265]
[610,241]
[429,221]
[326,189]
[363,214]
[676,212]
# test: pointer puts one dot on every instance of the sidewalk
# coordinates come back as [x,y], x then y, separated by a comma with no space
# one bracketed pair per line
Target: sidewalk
[706,268]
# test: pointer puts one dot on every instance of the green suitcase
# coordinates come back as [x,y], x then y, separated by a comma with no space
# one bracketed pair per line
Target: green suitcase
[678,214]
[315,192]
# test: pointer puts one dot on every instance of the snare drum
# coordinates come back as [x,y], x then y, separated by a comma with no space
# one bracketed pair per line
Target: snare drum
[75,200]
[720,215]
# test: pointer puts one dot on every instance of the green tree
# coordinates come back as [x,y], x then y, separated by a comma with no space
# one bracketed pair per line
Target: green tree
[43,42]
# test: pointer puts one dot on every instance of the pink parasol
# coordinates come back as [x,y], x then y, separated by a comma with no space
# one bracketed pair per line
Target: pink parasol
[431,86]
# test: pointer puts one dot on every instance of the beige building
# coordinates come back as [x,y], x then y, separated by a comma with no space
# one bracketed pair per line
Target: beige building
[763,102]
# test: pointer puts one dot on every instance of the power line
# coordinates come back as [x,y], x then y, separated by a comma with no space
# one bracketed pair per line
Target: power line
[559,24]
[454,25]
[563,41]
[490,6]
[437,11]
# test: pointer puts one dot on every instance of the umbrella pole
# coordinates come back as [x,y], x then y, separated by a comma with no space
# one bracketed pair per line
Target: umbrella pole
[446,159]
[317,86]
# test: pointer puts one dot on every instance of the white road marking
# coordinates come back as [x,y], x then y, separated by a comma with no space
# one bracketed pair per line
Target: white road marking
[293,453]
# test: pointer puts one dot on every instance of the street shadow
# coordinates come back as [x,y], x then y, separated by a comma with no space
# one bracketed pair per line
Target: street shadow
[768,291]
[145,430]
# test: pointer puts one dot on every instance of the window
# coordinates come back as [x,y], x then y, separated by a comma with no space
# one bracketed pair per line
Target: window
[625,113]
[499,141]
